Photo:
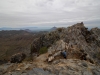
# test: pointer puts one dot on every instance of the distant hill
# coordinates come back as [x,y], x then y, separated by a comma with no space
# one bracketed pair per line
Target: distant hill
[53,28]
[30,29]
[5,28]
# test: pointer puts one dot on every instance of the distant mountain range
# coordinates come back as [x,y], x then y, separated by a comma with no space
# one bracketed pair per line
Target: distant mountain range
[7,28]
[30,28]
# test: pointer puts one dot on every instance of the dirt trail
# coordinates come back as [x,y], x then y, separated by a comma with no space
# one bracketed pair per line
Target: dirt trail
[41,61]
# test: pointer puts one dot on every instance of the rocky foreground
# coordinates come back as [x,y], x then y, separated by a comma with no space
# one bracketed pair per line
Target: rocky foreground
[57,67]
[83,54]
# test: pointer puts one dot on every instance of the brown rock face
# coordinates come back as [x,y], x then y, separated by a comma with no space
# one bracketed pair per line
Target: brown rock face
[77,40]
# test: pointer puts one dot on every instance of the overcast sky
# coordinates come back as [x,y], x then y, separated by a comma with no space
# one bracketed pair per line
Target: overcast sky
[30,13]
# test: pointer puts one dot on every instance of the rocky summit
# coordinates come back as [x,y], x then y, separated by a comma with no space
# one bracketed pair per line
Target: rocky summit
[77,40]
[74,50]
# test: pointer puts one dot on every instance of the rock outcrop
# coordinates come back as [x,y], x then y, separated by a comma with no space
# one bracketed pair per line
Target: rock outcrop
[57,67]
[77,40]
[17,58]
[46,40]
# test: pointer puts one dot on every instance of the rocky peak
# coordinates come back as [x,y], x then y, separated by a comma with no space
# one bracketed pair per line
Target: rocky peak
[79,25]
[75,39]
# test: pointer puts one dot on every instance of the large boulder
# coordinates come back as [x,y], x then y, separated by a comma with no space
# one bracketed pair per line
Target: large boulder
[17,58]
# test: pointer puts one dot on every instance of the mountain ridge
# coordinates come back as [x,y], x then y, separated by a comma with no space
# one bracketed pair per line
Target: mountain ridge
[81,45]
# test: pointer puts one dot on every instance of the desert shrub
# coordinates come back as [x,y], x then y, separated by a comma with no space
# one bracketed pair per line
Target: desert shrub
[43,50]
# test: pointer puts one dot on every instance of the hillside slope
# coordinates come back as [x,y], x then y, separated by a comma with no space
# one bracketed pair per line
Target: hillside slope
[14,41]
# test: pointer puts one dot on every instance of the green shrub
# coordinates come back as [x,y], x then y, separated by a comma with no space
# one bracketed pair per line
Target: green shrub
[43,50]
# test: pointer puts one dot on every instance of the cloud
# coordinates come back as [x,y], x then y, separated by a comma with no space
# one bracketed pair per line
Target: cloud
[19,13]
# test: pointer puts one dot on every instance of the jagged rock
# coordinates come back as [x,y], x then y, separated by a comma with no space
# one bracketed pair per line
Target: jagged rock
[17,58]
[45,40]
[73,40]
[76,38]
[81,44]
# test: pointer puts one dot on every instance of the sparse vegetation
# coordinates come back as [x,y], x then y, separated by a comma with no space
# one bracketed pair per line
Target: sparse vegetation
[43,50]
